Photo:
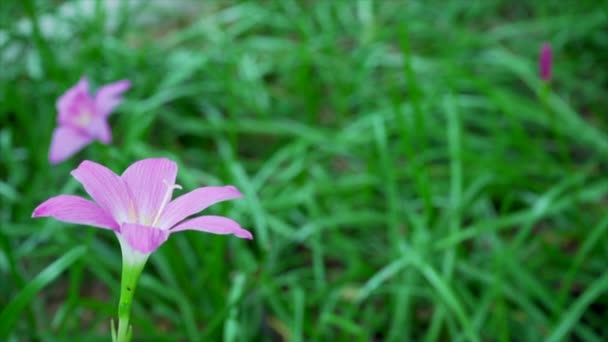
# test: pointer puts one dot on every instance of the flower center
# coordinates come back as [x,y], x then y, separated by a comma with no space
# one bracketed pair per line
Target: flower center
[84,119]
[166,199]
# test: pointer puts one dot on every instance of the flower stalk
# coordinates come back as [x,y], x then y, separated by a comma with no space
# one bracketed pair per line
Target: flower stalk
[130,276]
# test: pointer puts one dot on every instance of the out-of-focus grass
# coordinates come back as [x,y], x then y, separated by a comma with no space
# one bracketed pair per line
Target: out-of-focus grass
[406,174]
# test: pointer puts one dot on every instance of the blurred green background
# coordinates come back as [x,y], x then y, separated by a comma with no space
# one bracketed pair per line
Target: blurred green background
[407,176]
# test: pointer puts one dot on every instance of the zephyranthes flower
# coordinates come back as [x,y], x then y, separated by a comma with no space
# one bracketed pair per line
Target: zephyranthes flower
[83,118]
[137,206]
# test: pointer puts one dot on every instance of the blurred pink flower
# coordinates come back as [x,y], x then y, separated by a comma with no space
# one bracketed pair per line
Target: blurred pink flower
[137,205]
[83,118]
[545,62]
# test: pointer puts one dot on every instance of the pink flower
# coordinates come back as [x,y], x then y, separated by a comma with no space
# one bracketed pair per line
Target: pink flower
[545,62]
[137,205]
[83,118]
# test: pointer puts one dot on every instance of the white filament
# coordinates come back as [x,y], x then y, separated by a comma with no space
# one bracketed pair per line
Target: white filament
[166,199]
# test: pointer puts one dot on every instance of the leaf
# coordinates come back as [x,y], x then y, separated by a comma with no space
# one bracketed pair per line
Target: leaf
[13,310]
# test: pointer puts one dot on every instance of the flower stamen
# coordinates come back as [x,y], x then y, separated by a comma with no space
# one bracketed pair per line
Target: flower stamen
[132,212]
[166,199]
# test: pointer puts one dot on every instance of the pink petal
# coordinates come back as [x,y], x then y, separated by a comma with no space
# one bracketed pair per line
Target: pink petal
[143,239]
[195,201]
[150,181]
[215,225]
[74,101]
[66,141]
[107,189]
[108,97]
[100,129]
[74,209]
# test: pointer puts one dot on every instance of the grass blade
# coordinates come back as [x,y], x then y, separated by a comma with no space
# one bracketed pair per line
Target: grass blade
[12,311]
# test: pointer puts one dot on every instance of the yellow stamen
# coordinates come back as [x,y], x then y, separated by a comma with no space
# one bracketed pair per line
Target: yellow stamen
[132,212]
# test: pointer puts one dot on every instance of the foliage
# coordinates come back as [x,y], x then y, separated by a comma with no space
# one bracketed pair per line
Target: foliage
[406,173]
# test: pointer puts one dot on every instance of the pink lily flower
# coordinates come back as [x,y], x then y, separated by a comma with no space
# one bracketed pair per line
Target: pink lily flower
[137,206]
[83,118]
[545,62]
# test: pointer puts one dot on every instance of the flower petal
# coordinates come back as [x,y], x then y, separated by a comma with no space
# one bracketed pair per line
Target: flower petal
[73,102]
[108,97]
[107,189]
[150,181]
[144,239]
[66,141]
[74,209]
[195,201]
[100,129]
[215,225]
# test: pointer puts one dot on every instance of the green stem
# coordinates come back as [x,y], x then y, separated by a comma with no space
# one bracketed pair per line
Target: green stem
[130,276]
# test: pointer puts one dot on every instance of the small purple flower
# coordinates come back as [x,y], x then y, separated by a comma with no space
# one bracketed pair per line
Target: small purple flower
[545,62]
[137,205]
[83,118]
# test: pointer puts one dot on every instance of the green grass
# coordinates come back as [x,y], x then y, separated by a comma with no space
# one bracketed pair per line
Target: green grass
[406,174]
